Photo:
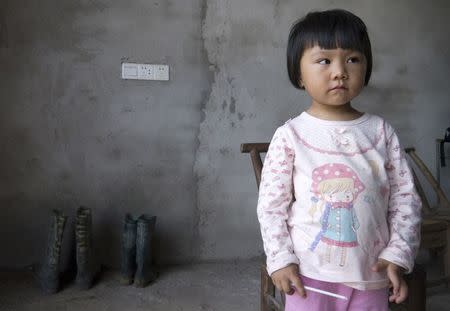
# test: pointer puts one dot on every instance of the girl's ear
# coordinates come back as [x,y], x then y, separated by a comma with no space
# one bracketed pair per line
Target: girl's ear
[299,80]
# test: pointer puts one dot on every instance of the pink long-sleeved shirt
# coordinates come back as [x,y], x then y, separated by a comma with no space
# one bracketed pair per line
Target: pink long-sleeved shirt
[336,196]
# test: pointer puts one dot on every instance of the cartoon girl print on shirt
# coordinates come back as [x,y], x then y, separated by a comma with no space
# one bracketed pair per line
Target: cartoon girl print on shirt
[336,186]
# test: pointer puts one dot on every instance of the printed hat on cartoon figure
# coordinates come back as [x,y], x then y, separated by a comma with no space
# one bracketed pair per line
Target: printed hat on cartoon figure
[335,171]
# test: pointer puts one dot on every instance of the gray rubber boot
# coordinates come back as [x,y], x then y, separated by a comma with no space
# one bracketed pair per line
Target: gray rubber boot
[145,272]
[128,264]
[87,268]
[47,273]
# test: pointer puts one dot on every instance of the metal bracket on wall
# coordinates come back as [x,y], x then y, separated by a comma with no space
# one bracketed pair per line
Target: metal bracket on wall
[442,146]
[441,155]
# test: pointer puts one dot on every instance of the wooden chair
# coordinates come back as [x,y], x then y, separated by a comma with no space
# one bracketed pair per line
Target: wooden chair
[270,299]
[436,220]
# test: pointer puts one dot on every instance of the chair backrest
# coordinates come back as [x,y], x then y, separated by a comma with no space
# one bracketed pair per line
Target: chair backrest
[255,150]
[426,208]
[443,200]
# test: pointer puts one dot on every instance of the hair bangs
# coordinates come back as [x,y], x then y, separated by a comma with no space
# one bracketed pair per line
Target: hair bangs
[333,33]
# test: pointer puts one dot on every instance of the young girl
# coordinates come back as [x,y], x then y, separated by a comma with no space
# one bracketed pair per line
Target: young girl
[337,204]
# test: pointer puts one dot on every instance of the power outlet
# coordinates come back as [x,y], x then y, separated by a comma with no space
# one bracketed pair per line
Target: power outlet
[145,72]
[161,72]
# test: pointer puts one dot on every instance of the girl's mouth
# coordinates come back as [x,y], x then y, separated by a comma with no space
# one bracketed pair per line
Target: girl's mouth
[338,87]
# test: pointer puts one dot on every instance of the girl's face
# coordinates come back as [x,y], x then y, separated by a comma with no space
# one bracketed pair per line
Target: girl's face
[339,196]
[332,77]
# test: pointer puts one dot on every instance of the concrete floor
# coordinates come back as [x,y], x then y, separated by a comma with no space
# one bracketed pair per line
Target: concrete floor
[200,287]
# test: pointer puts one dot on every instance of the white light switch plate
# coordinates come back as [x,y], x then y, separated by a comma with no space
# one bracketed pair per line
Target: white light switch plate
[145,72]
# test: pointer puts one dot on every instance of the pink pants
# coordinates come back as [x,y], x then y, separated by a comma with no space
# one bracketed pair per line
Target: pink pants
[358,300]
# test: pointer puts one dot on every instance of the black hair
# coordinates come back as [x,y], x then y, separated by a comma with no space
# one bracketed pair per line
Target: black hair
[330,30]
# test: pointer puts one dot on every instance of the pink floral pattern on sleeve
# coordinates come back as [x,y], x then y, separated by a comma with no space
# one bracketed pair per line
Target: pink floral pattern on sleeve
[275,197]
[404,209]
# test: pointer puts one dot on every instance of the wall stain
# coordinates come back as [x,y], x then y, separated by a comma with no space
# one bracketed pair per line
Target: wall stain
[116,154]
[157,173]
[65,176]
[224,151]
[276,10]
[250,33]
[33,163]
[127,110]
[124,59]
[233,105]
[402,70]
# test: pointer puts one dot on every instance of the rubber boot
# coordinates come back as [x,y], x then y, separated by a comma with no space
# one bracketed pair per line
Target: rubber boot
[47,273]
[145,272]
[128,264]
[87,269]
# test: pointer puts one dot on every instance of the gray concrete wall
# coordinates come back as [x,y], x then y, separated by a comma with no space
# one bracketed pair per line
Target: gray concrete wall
[73,133]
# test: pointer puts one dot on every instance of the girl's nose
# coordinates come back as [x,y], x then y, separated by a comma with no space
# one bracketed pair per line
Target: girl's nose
[339,72]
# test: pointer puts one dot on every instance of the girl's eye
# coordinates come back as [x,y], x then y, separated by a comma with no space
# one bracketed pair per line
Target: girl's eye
[324,61]
[353,60]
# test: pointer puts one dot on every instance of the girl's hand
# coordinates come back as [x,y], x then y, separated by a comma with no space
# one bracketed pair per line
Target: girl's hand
[284,277]
[395,275]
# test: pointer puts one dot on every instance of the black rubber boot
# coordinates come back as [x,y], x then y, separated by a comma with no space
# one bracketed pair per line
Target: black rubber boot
[145,272]
[128,264]
[47,273]
[87,268]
